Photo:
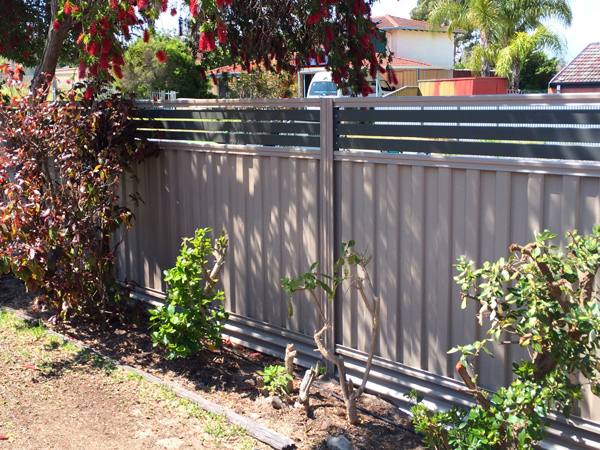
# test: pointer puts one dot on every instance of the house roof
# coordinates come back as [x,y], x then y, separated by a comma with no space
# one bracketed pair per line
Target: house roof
[399,63]
[585,68]
[388,22]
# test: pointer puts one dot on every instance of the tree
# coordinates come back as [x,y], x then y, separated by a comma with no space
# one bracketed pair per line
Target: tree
[284,35]
[143,73]
[537,71]
[499,24]
[512,57]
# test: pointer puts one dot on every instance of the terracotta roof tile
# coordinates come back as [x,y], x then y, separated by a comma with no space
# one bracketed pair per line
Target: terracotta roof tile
[585,68]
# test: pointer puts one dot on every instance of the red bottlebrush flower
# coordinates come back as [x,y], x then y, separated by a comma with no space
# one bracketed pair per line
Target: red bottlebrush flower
[193,8]
[14,20]
[114,4]
[320,58]
[121,15]
[160,55]
[82,69]
[94,70]
[143,4]
[2,48]
[164,4]
[105,23]
[352,29]
[373,71]
[104,61]
[118,72]
[146,36]
[94,48]
[220,3]
[93,29]
[125,30]
[132,17]
[89,93]
[313,18]
[335,76]
[329,33]
[173,12]
[56,25]
[214,79]
[26,55]
[106,43]
[207,41]
[222,32]
[26,37]
[323,12]
[117,60]
[203,74]
[391,77]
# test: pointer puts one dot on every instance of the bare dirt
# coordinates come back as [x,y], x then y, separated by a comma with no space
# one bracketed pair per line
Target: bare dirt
[73,409]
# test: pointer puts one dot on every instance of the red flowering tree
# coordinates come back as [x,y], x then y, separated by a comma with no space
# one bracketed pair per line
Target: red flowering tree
[282,35]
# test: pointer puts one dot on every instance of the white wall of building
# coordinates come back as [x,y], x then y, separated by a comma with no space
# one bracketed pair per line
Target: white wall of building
[424,46]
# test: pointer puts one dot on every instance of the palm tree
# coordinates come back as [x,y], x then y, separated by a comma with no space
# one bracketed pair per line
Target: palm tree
[500,22]
[512,57]
[479,16]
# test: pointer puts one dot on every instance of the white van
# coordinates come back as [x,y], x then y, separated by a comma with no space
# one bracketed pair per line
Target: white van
[322,85]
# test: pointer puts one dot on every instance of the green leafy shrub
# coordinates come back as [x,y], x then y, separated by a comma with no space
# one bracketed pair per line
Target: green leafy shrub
[193,310]
[276,379]
[545,301]
[60,170]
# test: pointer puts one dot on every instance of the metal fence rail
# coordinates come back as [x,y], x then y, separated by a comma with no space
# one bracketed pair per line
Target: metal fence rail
[286,206]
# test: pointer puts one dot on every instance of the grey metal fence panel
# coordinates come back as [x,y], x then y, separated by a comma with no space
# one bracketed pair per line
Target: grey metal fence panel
[416,213]
[267,205]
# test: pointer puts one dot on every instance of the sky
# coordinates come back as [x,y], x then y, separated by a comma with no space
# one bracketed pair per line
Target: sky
[584,29]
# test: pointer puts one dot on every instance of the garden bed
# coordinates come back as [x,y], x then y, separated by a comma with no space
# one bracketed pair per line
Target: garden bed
[227,377]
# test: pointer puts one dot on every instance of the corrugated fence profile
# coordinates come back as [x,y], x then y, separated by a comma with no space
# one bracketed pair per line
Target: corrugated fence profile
[417,182]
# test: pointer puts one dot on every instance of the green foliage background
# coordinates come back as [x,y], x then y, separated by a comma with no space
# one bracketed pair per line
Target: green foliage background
[143,73]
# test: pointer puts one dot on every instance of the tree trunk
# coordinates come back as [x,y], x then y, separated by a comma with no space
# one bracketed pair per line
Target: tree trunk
[54,43]
[516,74]
[486,69]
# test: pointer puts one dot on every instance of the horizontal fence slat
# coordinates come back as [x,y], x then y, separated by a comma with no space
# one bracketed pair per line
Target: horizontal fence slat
[247,127]
[239,114]
[548,116]
[523,150]
[235,138]
[543,134]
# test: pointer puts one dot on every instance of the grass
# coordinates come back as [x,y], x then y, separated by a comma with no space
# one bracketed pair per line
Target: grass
[50,357]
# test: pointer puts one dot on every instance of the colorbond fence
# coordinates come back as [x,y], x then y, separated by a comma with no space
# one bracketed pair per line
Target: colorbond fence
[290,180]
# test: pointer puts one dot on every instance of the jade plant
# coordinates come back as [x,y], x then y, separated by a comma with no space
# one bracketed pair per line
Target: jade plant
[545,301]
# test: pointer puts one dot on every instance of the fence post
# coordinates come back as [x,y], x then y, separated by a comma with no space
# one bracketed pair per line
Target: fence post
[326,210]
